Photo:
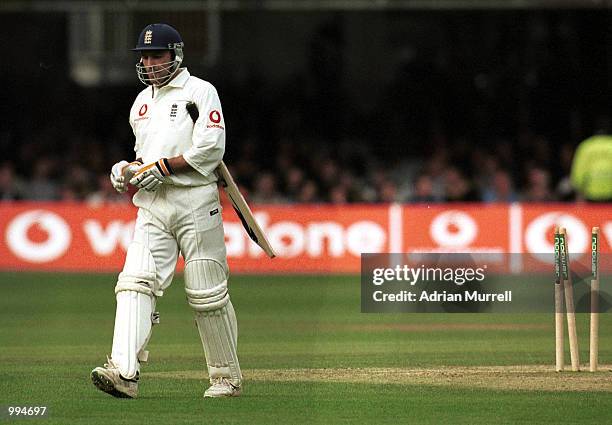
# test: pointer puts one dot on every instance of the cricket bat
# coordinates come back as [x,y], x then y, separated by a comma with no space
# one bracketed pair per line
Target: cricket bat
[243,211]
[238,202]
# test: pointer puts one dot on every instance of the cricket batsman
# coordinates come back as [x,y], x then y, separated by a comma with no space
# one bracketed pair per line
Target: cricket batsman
[178,211]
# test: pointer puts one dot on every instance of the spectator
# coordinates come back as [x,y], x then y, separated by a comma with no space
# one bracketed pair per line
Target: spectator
[293,179]
[435,167]
[485,166]
[501,188]
[308,192]
[538,186]
[41,186]
[338,194]
[457,187]
[387,191]
[11,188]
[76,186]
[265,190]
[327,173]
[348,183]
[591,173]
[423,190]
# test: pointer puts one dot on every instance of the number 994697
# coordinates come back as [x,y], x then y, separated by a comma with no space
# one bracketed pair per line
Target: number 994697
[16,411]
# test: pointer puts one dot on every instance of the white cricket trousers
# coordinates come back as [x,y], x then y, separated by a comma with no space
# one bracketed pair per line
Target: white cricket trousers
[171,220]
[181,219]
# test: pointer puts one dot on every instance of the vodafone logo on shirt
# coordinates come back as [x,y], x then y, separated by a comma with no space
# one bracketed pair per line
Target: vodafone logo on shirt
[215,118]
[142,113]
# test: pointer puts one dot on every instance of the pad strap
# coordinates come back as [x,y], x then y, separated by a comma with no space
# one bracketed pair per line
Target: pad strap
[130,284]
[208,299]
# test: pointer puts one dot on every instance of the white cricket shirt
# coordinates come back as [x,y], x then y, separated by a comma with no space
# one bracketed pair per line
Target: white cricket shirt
[163,128]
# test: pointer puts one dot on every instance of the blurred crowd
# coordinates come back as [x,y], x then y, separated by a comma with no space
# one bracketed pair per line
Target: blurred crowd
[307,173]
[488,110]
[288,162]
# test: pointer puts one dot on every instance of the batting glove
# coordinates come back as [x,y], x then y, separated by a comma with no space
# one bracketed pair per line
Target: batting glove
[121,172]
[150,176]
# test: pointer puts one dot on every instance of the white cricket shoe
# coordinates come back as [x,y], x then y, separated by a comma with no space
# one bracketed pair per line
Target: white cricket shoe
[222,387]
[109,380]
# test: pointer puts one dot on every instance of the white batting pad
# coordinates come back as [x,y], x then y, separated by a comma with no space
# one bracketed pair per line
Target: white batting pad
[206,287]
[132,331]
[135,310]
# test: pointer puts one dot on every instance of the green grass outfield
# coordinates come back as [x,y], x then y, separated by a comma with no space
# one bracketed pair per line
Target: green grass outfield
[307,353]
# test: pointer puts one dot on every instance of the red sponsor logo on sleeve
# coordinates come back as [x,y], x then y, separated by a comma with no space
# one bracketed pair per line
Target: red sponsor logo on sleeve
[215,118]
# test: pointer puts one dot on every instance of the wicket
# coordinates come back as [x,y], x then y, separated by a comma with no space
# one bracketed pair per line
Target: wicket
[564,285]
[559,355]
[594,346]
